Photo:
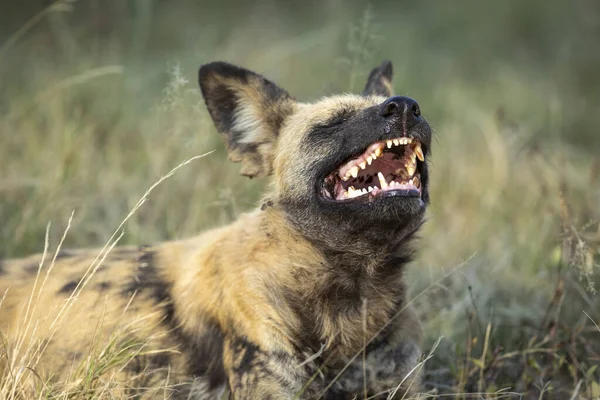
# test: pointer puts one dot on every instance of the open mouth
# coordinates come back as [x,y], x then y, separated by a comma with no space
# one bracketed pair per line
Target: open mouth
[387,166]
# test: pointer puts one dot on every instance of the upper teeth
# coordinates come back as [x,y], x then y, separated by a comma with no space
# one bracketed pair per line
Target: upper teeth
[419,152]
[374,151]
[398,142]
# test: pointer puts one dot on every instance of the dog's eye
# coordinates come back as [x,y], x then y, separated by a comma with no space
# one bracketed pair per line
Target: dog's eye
[336,120]
[332,123]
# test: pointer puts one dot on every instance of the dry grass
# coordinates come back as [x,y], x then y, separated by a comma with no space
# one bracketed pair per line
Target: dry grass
[102,101]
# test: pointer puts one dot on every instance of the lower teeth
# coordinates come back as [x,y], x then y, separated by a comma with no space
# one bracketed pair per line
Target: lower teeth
[353,192]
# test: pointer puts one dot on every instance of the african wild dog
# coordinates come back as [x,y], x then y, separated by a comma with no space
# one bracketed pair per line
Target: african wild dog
[280,302]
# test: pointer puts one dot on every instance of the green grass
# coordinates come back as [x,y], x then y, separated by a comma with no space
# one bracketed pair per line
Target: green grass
[99,99]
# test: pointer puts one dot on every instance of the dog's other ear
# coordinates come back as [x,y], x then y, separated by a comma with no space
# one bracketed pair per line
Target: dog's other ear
[248,110]
[380,80]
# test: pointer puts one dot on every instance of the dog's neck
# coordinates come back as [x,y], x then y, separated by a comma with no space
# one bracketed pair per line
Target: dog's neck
[352,244]
[342,283]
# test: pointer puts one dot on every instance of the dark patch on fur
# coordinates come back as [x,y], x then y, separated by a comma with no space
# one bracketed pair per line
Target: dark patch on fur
[249,359]
[31,269]
[45,342]
[64,254]
[102,286]
[204,351]
[123,254]
[339,116]
[252,365]
[146,278]
[148,370]
[222,107]
[265,205]
[73,357]
[68,288]
[149,362]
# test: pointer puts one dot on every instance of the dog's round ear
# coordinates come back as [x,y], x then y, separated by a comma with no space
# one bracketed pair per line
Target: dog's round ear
[248,110]
[380,80]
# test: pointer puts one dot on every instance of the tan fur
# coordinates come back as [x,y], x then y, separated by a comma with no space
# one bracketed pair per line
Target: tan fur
[230,285]
[288,164]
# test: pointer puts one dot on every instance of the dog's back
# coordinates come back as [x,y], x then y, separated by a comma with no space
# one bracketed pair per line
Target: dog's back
[83,312]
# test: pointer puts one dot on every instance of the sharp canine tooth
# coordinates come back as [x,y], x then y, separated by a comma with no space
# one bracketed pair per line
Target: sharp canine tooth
[378,152]
[382,181]
[396,142]
[369,160]
[419,152]
[354,171]
[363,165]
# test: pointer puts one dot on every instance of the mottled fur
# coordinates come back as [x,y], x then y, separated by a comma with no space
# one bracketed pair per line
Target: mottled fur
[277,303]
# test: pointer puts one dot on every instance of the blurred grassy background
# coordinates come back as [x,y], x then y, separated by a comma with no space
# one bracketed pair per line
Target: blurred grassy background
[99,99]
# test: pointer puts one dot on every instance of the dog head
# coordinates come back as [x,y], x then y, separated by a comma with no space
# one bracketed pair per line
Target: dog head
[350,171]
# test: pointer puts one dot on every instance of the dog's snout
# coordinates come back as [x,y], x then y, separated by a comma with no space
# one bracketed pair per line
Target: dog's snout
[401,106]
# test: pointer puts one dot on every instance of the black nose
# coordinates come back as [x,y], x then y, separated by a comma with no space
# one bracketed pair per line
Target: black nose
[400,106]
